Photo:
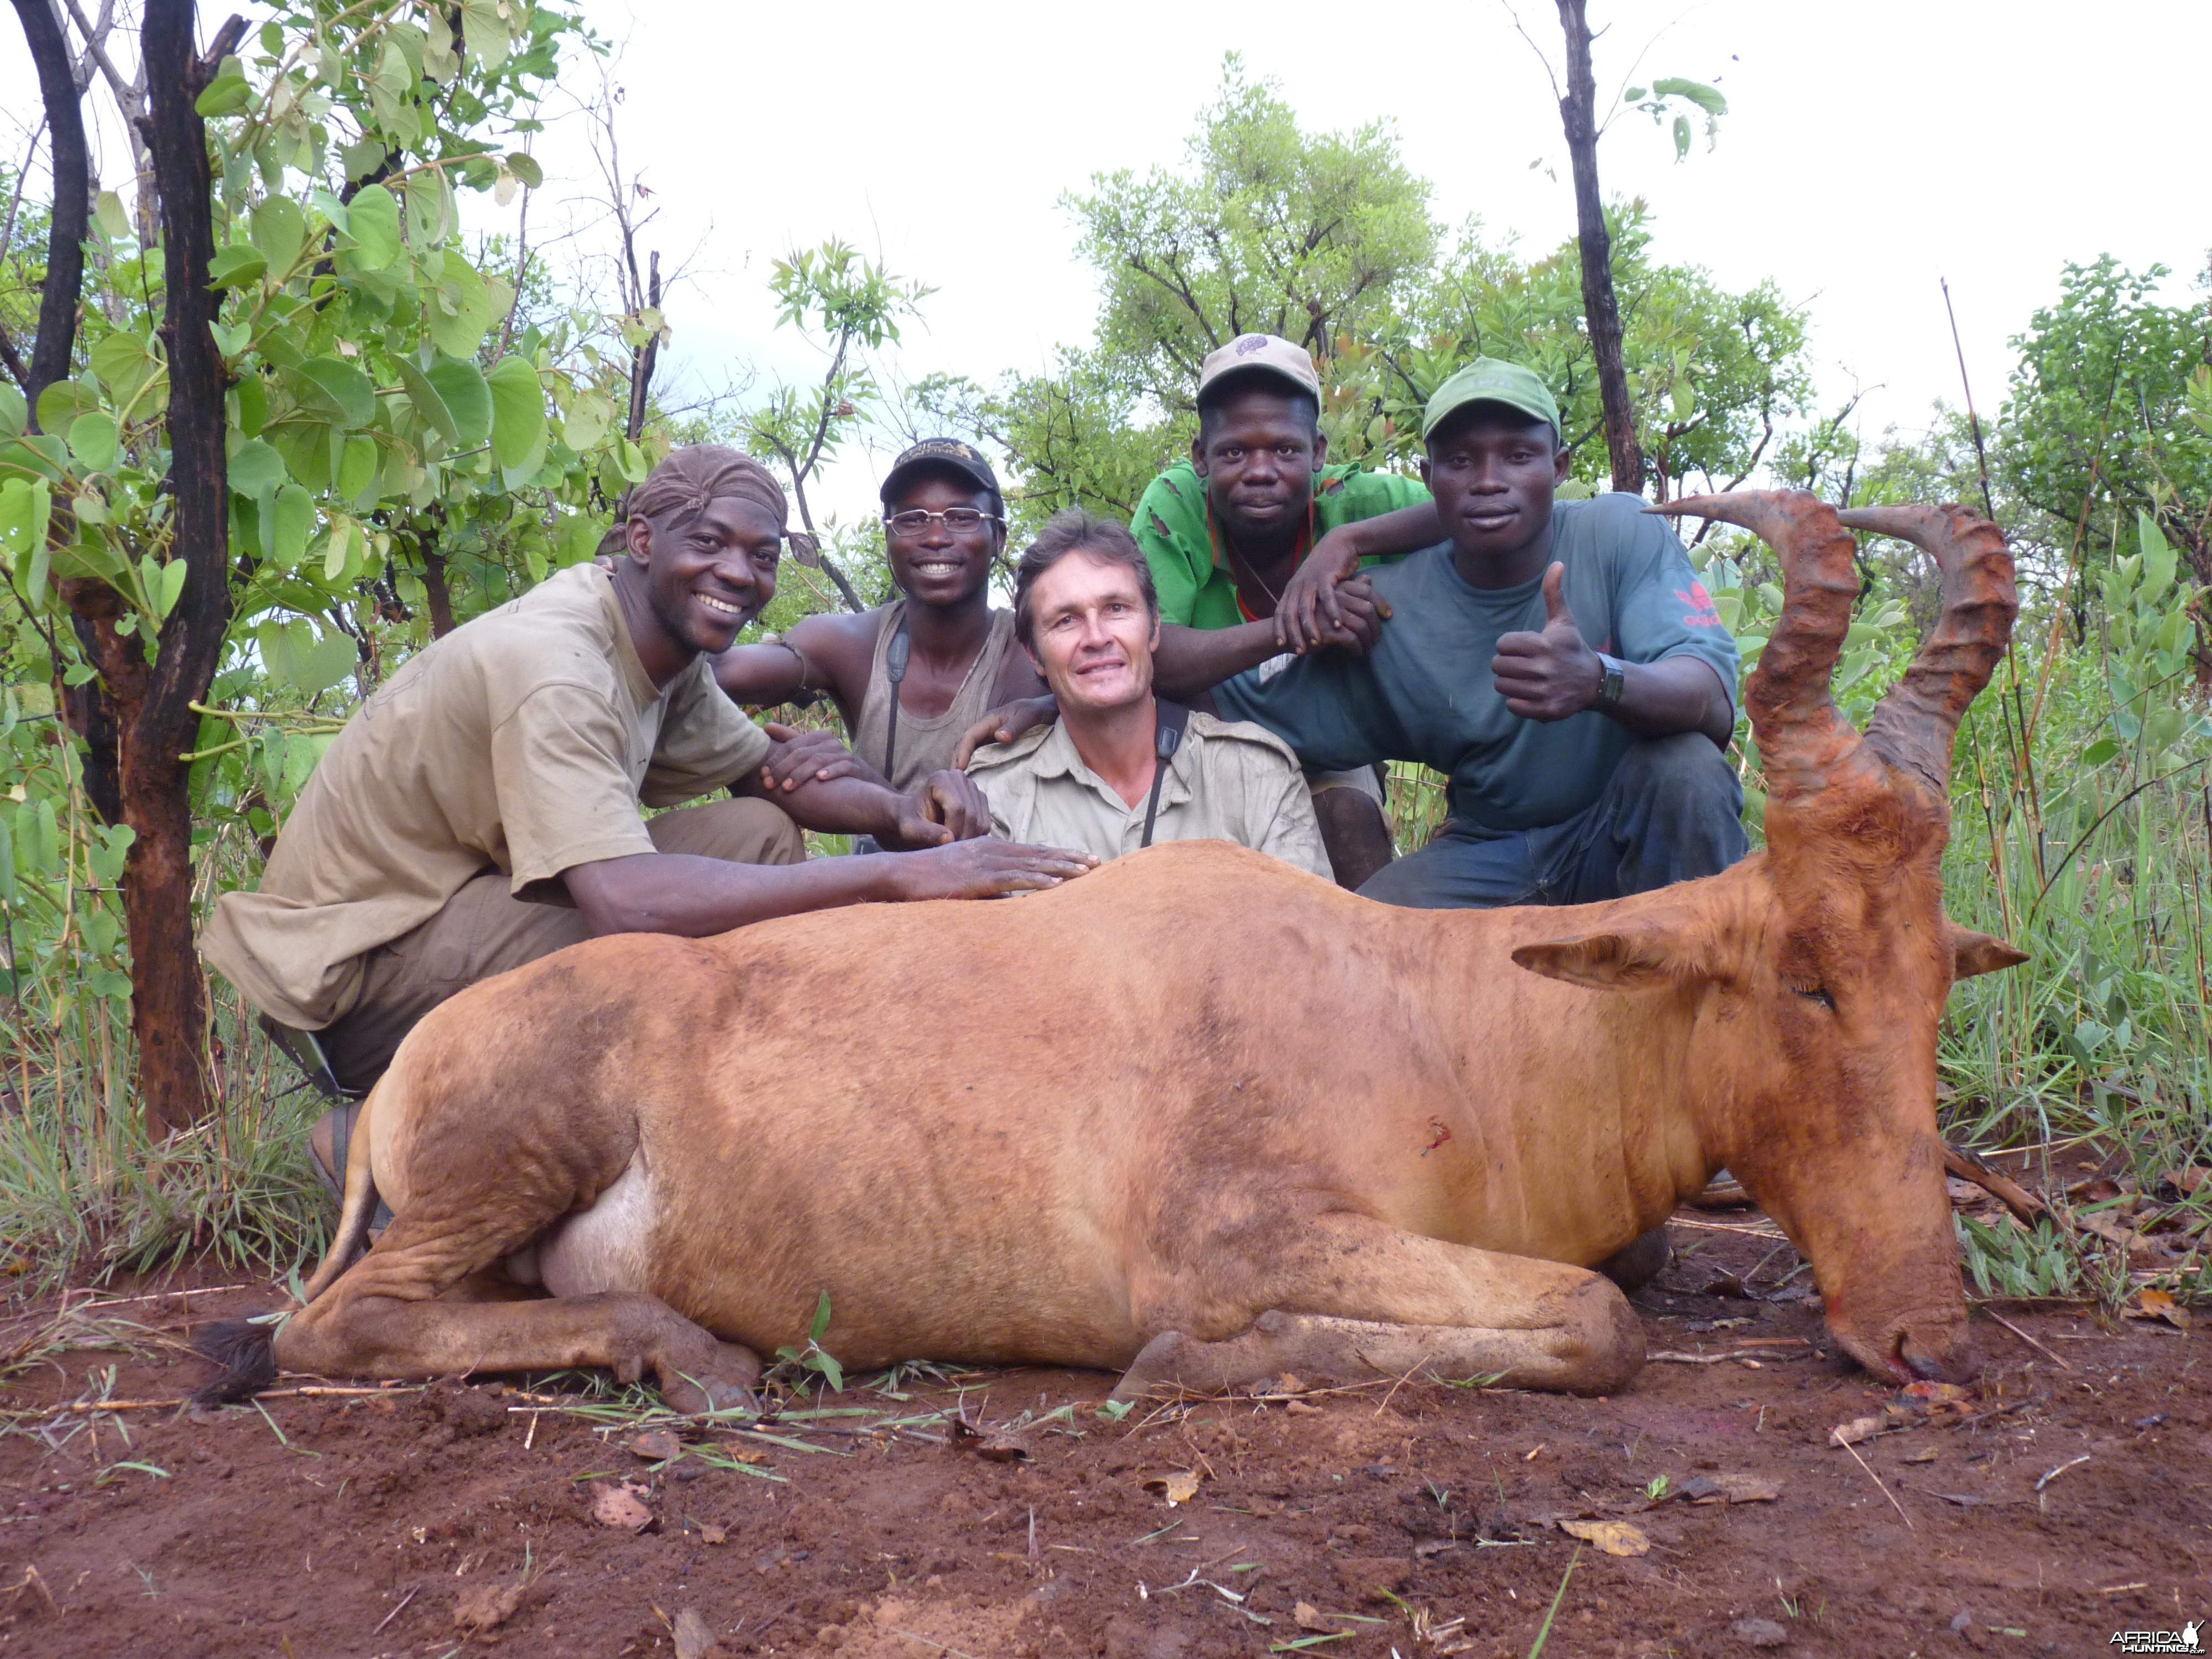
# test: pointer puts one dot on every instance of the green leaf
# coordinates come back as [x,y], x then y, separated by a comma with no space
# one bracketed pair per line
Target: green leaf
[15,413]
[362,158]
[1706,98]
[293,520]
[92,441]
[372,221]
[296,656]
[26,509]
[63,402]
[429,209]
[1632,96]
[165,584]
[235,264]
[457,310]
[123,364]
[336,549]
[524,166]
[357,471]
[336,388]
[483,32]
[280,230]
[589,417]
[821,1319]
[1681,137]
[2100,751]
[7,863]
[2158,559]
[113,219]
[518,418]
[255,468]
[226,95]
[460,385]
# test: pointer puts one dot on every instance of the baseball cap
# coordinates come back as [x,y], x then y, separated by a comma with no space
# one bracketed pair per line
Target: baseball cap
[1491,380]
[947,452]
[1268,352]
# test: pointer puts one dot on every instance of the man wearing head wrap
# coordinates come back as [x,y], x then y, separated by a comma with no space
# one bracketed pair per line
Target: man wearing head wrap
[483,808]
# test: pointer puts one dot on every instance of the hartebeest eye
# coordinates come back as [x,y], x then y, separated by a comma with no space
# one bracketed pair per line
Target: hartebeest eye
[1816,993]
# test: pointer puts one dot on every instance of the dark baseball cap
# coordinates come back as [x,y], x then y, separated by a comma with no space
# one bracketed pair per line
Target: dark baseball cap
[947,453]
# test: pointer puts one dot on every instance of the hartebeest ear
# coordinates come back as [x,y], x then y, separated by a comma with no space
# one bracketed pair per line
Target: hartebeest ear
[1973,953]
[1631,960]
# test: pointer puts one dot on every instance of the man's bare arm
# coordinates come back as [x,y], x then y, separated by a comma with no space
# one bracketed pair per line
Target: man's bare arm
[693,896]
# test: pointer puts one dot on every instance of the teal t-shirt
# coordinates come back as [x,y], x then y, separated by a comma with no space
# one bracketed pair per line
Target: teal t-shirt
[1426,693]
[1171,524]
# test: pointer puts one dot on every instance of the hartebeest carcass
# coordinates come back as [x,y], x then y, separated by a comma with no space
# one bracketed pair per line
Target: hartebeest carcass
[1205,1119]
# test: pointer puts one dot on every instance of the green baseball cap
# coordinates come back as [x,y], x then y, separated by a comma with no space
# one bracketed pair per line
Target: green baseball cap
[1491,380]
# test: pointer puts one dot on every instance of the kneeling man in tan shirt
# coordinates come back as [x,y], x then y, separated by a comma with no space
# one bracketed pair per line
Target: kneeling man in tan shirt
[482,809]
[1086,611]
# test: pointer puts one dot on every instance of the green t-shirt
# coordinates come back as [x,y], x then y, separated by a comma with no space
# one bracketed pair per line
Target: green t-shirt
[1171,525]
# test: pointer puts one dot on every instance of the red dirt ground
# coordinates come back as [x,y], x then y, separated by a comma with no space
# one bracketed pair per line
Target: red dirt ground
[363,1525]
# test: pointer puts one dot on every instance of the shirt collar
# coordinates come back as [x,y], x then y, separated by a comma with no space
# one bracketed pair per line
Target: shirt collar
[1058,757]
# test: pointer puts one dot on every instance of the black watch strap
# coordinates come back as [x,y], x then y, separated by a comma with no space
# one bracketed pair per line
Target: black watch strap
[1609,687]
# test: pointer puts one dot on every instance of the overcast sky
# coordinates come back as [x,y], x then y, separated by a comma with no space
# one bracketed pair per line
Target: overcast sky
[1870,149]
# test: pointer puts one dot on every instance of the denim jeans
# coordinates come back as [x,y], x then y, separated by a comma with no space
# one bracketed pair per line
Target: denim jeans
[1672,811]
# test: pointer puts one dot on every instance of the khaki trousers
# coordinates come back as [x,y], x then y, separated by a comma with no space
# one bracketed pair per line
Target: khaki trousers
[484,930]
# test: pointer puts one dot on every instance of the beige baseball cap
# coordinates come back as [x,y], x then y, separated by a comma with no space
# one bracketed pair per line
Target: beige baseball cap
[1270,352]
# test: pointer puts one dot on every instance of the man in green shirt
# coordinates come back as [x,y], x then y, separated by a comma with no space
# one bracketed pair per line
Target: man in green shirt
[1250,539]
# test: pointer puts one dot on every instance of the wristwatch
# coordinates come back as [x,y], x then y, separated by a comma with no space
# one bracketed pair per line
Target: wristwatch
[1614,675]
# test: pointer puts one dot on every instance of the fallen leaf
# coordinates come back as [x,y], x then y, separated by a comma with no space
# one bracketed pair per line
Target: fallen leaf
[693,1639]
[486,1607]
[2154,1303]
[1936,1393]
[620,1506]
[713,1535]
[1308,1617]
[1179,1486]
[1964,1195]
[1730,1489]
[2098,1189]
[1299,1408]
[1287,1383]
[1434,1547]
[1925,1455]
[2189,1179]
[655,1446]
[1613,1537]
[1001,1449]
[1859,1429]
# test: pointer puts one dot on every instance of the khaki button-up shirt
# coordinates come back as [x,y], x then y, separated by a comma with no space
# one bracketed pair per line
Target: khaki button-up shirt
[1229,781]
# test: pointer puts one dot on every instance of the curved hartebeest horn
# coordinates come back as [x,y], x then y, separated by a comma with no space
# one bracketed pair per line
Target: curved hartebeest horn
[1919,715]
[1802,737]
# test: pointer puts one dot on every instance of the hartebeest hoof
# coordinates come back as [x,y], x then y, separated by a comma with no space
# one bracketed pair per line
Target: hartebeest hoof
[727,1387]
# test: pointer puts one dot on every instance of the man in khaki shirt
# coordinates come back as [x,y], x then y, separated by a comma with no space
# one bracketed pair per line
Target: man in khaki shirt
[1086,611]
[483,808]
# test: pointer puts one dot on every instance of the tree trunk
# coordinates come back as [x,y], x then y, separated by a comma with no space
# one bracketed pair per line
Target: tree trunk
[169,1007]
[72,209]
[435,590]
[1578,110]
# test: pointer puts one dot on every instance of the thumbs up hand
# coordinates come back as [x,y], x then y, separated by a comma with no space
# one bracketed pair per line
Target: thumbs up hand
[1553,674]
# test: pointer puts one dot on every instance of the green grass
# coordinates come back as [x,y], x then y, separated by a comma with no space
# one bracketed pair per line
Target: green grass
[83,1193]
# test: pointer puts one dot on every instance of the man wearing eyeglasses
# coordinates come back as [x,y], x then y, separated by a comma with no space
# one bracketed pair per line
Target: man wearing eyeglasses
[911,676]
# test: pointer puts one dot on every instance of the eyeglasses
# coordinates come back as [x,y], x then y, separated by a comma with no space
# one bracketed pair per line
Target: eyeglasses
[957,519]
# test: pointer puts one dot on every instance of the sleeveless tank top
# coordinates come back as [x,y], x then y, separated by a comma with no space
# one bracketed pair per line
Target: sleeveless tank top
[926,745]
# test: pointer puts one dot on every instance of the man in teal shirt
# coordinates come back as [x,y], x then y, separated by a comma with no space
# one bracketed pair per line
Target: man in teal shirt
[1248,539]
[1560,663]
